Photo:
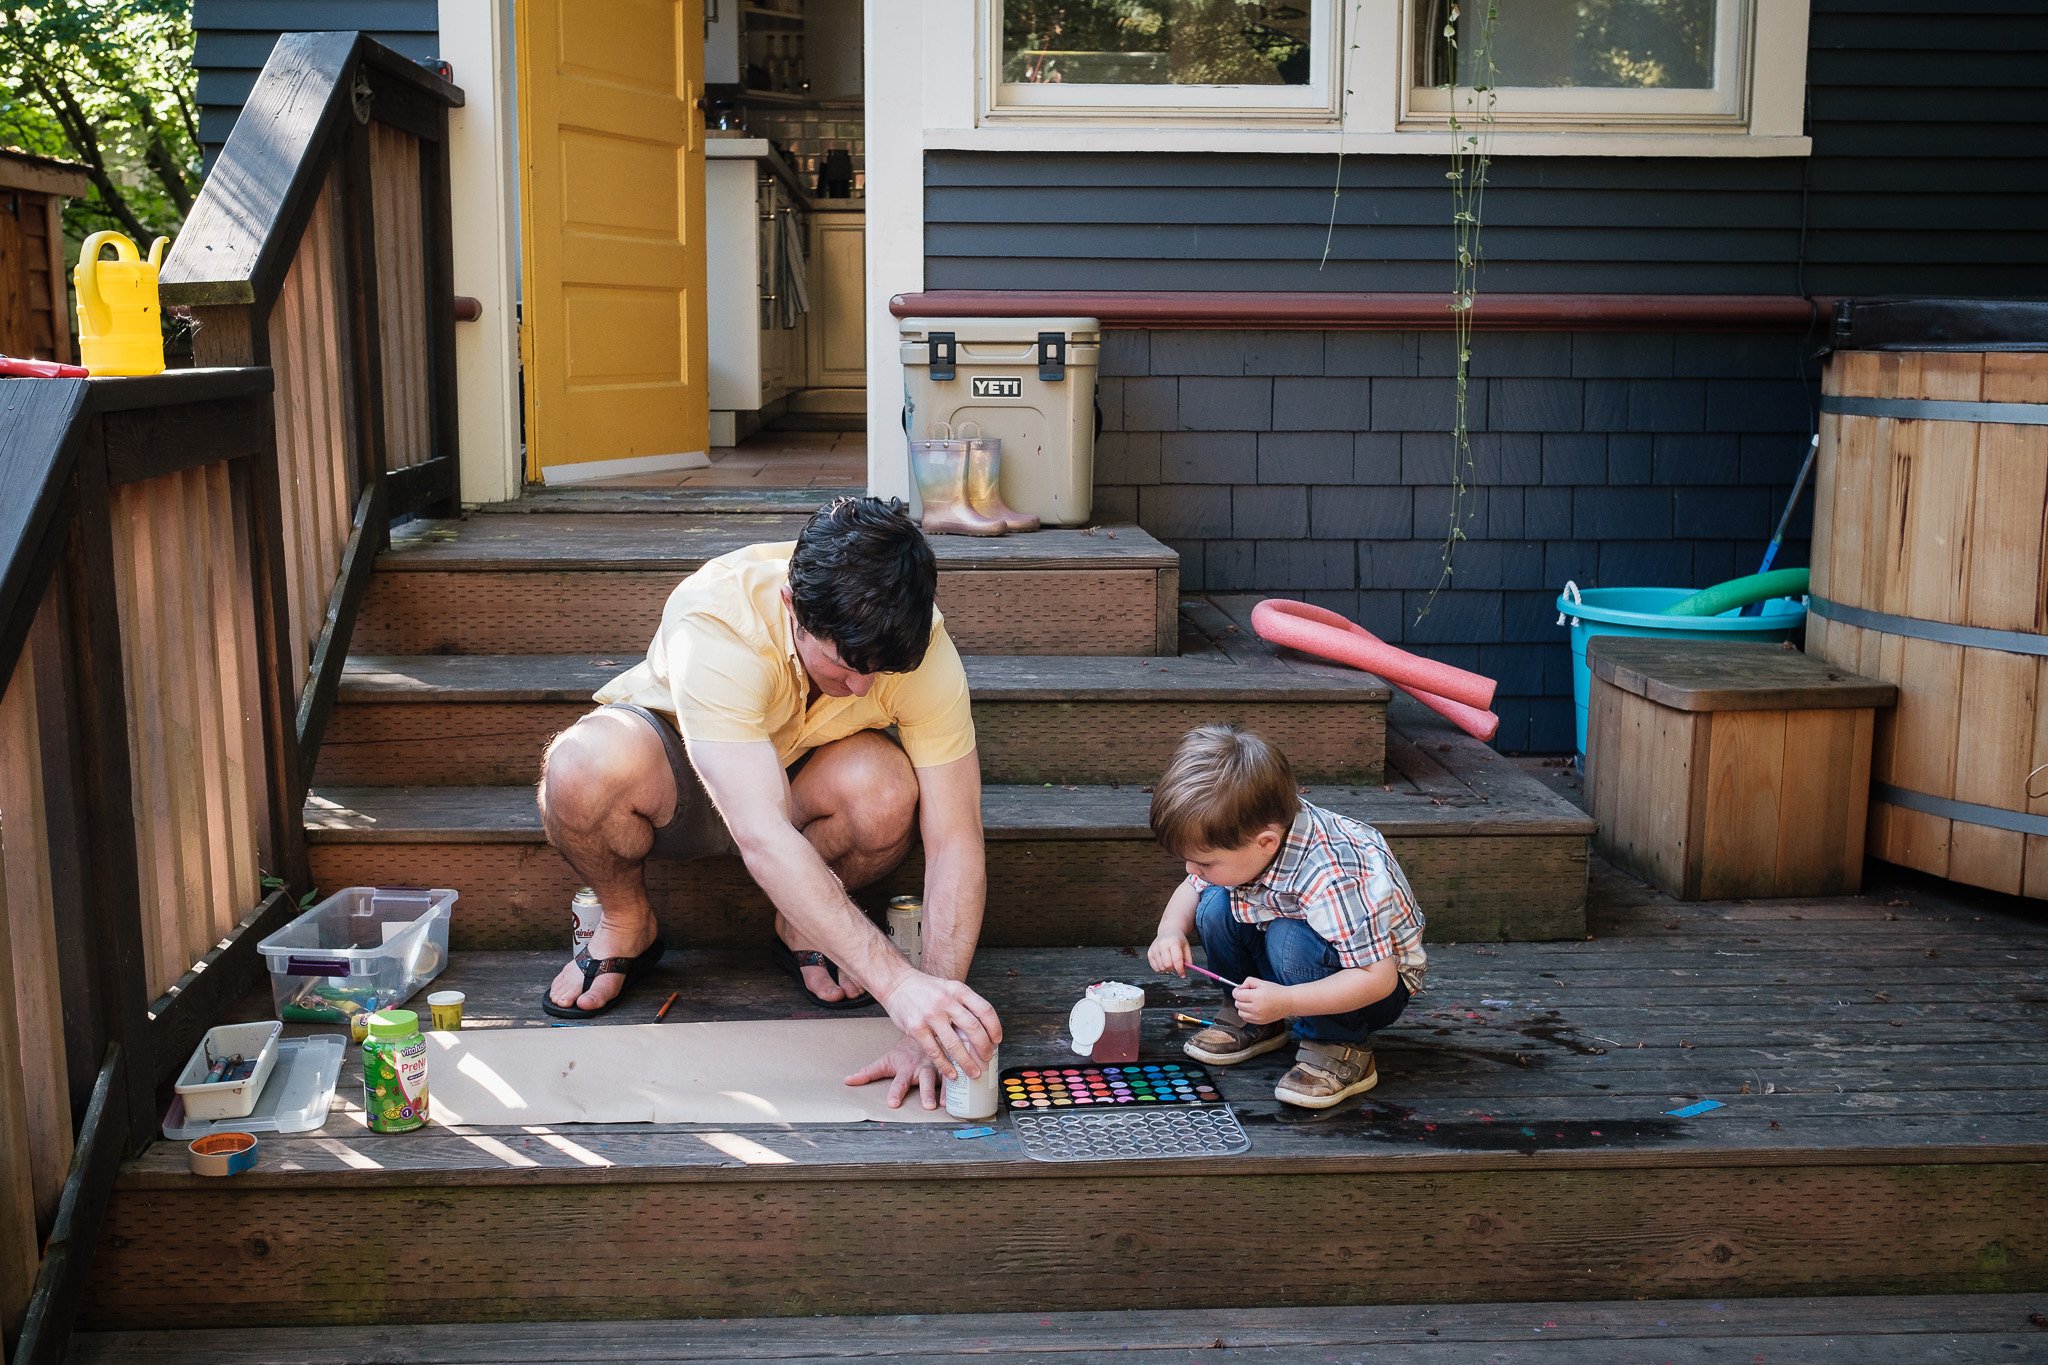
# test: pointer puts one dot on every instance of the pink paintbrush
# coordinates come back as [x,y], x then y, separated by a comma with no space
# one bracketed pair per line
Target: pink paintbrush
[1213,977]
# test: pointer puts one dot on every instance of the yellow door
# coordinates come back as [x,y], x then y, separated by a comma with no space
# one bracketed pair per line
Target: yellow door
[612,209]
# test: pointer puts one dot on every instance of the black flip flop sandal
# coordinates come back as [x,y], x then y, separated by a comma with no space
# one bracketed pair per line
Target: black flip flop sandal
[632,968]
[794,962]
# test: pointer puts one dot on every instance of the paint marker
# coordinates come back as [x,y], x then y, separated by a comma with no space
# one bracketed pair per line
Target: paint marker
[662,1013]
[1191,1019]
[1213,977]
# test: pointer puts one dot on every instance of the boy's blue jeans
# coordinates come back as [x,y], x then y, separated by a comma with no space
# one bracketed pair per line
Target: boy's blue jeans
[1289,952]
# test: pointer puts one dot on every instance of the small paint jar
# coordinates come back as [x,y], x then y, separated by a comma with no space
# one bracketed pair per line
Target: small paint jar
[1107,1022]
[906,928]
[974,1097]
[447,1009]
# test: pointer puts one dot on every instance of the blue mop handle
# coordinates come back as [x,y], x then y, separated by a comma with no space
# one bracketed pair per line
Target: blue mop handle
[1784,518]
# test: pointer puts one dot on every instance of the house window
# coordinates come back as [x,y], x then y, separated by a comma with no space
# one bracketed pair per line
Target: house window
[1576,61]
[1192,58]
[1572,77]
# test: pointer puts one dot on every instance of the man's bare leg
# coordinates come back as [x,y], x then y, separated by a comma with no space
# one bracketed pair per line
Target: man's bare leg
[856,801]
[605,782]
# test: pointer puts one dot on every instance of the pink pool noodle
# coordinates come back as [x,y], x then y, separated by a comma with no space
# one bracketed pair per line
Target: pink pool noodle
[1459,696]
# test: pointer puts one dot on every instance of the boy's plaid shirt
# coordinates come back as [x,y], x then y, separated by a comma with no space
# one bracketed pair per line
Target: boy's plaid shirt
[1338,875]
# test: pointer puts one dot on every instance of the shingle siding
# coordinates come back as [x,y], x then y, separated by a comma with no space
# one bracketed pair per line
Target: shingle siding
[233,39]
[1283,512]
[1929,120]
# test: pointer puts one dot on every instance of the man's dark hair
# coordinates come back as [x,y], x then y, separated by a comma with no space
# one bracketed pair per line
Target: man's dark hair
[863,580]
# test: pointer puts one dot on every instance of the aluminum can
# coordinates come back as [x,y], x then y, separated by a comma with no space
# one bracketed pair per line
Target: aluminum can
[906,927]
[585,911]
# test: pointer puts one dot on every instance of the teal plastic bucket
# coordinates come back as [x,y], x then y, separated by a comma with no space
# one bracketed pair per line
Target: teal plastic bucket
[1640,611]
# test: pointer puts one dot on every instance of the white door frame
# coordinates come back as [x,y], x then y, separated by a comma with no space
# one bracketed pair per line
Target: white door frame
[476,40]
[899,35]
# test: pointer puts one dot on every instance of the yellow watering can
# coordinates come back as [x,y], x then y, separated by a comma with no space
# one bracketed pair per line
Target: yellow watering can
[120,327]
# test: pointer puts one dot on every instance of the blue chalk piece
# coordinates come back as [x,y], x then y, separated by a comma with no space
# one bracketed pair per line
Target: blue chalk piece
[1693,1109]
[973,1132]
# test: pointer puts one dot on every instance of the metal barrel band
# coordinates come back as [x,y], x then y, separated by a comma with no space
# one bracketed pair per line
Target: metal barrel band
[1969,812]
[1942,632]
[1937,410]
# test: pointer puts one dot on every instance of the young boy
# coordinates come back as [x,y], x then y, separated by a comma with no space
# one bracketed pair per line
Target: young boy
[1304,906]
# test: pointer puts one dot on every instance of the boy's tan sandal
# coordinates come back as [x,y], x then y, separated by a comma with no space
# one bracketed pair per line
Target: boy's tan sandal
[1231,1040]
[1324,1074]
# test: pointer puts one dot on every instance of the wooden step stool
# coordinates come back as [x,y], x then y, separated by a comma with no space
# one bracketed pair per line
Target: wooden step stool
[1721,770]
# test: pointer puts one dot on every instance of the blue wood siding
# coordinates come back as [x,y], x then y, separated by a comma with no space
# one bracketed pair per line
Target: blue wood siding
[234,38]
[1929,174]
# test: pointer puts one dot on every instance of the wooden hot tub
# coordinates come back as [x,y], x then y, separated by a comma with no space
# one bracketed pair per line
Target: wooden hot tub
[1930,570]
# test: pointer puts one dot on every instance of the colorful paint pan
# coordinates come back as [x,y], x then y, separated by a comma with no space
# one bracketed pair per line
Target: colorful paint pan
[1107,1087]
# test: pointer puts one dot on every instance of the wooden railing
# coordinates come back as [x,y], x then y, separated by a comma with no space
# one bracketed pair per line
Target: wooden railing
[180,562]
[326,255]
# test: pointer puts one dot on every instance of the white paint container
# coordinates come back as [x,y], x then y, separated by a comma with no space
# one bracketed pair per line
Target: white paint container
[972,1097]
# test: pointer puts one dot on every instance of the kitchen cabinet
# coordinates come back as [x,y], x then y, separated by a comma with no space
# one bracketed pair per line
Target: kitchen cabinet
[838,335]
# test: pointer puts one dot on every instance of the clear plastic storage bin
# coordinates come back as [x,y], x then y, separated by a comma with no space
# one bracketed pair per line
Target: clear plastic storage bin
[364,948]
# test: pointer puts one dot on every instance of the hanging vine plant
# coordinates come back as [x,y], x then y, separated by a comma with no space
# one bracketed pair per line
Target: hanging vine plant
[1467,50]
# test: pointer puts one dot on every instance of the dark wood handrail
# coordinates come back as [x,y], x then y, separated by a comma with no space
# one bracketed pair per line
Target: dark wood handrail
[239,238]
[304,154]
[66,445]
[39,433]
[1281,311]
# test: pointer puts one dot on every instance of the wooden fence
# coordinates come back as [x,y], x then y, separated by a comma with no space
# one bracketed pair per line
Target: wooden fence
[180,562]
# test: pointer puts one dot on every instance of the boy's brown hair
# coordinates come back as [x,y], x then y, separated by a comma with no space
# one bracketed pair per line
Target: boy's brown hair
[1222,786]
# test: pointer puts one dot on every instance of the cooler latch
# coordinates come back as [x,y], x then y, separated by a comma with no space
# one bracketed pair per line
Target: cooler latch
[941,351]
[1052,356]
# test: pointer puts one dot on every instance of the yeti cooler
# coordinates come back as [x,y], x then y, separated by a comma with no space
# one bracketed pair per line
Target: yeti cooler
[1028,382]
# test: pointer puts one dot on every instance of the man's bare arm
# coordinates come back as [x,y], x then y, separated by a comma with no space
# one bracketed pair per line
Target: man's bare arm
[955,869]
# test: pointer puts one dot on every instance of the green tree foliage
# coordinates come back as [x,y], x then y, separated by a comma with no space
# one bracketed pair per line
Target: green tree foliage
[108,83]
[1157,42]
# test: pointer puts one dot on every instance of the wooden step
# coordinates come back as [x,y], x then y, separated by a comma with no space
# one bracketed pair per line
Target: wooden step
[483,720]
[1491,853]
[594,583]
[1879,1132]
[1894,1330]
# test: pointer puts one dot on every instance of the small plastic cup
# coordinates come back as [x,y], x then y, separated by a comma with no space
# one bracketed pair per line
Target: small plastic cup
[447,1009]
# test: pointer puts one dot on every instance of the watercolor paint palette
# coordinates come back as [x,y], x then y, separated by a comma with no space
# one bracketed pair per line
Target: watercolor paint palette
[1130,1134]
[1134,1086]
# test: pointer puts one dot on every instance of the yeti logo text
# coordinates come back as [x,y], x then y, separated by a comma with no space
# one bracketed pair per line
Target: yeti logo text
[999,388]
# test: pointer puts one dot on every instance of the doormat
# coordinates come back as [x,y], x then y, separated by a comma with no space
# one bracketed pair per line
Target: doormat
[776,1071]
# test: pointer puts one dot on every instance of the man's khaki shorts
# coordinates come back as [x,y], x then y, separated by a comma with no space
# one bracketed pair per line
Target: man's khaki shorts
[694,829]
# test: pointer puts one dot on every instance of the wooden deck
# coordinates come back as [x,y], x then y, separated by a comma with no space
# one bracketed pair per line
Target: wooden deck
[1881,1064]
[1907,1330]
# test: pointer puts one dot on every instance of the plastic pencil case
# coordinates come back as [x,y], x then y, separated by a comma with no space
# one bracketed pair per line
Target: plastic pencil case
[206,1099]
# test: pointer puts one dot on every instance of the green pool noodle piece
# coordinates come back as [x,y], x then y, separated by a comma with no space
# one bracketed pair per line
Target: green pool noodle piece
[1740,592]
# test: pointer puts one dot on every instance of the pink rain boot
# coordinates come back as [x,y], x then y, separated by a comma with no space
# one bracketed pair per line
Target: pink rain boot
[940,468]
[984,485]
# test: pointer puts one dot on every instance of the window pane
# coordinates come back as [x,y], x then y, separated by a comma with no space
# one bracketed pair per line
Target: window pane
[1589,44]
[1156,42]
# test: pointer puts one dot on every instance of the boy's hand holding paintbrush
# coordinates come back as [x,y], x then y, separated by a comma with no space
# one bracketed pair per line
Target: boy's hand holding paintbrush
[1257,1002]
